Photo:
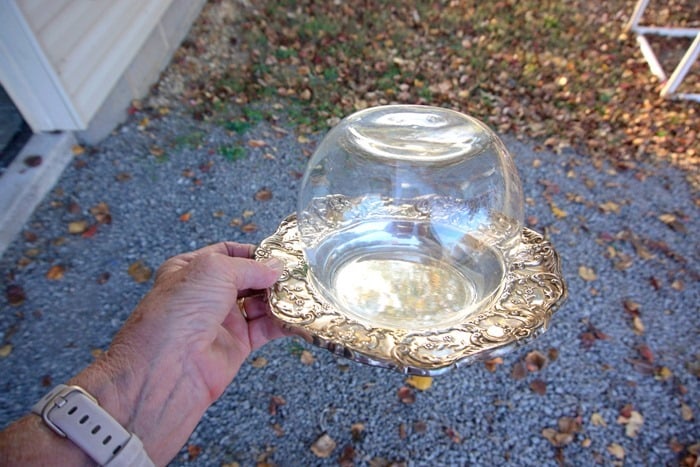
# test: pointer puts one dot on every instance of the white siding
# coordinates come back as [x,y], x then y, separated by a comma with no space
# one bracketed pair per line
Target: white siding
[90,43]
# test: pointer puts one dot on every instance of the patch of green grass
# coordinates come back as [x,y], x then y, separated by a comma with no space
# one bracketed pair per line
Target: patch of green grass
[189,140]
[232,153]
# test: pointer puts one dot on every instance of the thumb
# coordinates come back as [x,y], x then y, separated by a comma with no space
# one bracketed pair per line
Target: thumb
[251,274]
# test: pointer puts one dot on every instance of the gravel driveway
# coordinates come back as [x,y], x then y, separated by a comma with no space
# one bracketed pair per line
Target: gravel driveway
[619,381]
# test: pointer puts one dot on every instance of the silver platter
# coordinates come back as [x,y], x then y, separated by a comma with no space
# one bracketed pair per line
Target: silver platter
[533,289]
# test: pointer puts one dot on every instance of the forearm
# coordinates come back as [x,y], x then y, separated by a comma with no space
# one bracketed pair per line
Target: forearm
[149,393]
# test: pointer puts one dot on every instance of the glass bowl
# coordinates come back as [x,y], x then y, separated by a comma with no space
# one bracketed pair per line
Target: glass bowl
[407,214]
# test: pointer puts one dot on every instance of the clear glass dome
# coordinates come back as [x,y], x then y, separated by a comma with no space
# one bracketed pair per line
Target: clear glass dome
[407,214]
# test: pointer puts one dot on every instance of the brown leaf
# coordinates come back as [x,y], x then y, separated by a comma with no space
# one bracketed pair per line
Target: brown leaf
[33,160]
[186,216]
[597,419]
[493,363]
[122,177]
[157,151]
[249,228]
[90,231]
[637,325]
[406,395]
[519,371]
[347,456]
[139,272]
[452,434]
[101,213]
[557,211]
[646,353]
[357,431]
[193,451]
[77,150]
[632,307]
[55,272]
[323,446]
[15,294]
[257,143]
[538,387]
[535,361]
[263,195]
[275,402]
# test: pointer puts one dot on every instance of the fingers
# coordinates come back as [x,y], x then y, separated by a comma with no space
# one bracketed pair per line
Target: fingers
[250,274]
[262,330]
[255,306]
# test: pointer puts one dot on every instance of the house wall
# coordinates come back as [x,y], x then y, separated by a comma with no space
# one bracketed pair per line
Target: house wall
[102,54]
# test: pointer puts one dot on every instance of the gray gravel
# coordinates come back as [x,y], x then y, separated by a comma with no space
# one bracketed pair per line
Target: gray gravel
[470,416]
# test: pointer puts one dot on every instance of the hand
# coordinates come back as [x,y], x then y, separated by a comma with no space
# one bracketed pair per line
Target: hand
[175,355]
[193,312]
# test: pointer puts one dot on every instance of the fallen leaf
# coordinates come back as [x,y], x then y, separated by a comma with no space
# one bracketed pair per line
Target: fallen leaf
[263,195]
[90,231]
[33,161]
[5,350]
[122,177]
[452,434]
[55,272]
[557,438]
[633,423]
[646,353]
[101,213]
[406,395]
[535,361]
[259,362]
[103,278]
[686,412]
[307,358]
[519,371]
[597,419]
[357,432]
[323,446]
[587,273]
[637,325]
[421,383]
[249,228]
[402,431]
[15,294]
[77,150]
[538,387]
[275,402]
[257,143]
[193,451]
[609,207]
[248,213]
[186,216]
[139,272]
[663,373]
[77,227]
[557,211]
[157,151]
[493,363]
[617,451]
[347,456]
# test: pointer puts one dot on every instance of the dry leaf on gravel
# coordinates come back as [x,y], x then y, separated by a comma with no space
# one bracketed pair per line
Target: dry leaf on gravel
[616,450]
[56,272]
[406,395]
[263,195]
[323,446]
[259,362]
[535,361]
[633,422]
[587,273]
[77,227]
[493,363]
[307,358]
[15,294]
[5,350]
[422,383]
[139,272]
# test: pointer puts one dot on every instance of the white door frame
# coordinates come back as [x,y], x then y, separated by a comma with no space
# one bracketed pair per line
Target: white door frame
[29,78]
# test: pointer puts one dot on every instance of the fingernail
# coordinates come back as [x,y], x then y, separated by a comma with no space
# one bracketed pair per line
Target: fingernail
[274,263]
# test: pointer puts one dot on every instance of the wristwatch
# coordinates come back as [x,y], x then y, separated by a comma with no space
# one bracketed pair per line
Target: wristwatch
[73,413]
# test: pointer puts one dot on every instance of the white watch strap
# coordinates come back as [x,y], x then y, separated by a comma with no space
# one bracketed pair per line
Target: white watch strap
[71,412]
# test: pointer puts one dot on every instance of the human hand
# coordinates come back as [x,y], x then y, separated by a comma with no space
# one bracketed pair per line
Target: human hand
[184,343]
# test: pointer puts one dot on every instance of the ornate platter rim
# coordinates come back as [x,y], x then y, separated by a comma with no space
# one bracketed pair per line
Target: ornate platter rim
[533,289]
